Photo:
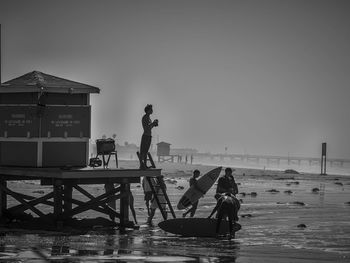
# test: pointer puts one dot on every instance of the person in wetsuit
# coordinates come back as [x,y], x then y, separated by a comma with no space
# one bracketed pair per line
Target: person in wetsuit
[193,181]
[227,206]
[227,184]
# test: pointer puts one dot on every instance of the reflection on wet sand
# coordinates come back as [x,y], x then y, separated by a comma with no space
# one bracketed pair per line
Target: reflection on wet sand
[133,246]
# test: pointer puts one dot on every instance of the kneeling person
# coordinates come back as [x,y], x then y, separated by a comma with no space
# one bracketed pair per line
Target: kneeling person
[227,206]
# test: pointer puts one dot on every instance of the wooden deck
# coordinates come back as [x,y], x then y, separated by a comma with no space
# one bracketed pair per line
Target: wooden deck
[63,182]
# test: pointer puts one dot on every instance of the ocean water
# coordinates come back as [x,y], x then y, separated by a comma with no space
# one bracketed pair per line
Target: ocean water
[269,233]
[304,167]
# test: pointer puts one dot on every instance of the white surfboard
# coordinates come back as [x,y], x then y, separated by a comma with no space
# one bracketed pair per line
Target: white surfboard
[204,183]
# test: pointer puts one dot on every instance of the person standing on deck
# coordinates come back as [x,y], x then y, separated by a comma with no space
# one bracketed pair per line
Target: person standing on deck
[227,184]
[146,138]
[193,181]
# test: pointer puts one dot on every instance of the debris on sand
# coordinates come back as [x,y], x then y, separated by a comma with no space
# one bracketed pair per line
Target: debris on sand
[171,181]
[315,190]
[288,192]
[347,203]
[284,178]
[273,191]
[298,203]
[290,171]
[252,194]
[180,187]
[339,183]
[301,226]
[246,215]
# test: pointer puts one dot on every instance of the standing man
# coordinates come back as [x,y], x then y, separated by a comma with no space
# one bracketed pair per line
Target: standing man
[146,139]
[227,184]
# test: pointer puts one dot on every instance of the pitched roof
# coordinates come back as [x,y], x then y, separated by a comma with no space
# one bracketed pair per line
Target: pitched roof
[163,143]
[37,81]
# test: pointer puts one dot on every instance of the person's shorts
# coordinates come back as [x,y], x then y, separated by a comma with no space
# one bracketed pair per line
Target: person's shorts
[148,196]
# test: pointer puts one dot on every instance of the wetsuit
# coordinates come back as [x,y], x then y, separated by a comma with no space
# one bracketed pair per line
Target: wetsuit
[227,184]
[227,205]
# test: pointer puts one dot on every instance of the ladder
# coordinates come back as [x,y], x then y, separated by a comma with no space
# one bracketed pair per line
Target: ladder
[159,183]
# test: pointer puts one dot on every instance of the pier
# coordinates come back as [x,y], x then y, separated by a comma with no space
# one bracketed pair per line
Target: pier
[270,159]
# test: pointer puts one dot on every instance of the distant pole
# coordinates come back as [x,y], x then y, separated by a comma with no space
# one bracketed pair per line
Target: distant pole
[0,55]
[324,159]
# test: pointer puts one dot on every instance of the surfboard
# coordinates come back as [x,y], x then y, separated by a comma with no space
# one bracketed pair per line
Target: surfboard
[196,227]
[203,185]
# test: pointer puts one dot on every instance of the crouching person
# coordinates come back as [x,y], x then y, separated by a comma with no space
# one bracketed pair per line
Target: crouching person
[227,206]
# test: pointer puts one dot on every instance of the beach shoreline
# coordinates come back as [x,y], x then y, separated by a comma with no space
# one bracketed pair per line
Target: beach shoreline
[292,223]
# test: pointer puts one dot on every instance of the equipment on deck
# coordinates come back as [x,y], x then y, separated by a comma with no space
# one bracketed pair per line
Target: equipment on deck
[95,162]
[204,183]
[196,227]
[106,147]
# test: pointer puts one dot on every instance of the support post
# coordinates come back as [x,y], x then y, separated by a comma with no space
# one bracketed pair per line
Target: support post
[57,199]
[67,196]
[124,204]
[3,197]
[324,159]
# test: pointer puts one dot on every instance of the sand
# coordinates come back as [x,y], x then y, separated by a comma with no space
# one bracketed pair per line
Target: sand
[286,220]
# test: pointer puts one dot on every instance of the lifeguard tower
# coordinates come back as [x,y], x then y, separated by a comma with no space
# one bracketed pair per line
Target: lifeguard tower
[45,127]
[163,153]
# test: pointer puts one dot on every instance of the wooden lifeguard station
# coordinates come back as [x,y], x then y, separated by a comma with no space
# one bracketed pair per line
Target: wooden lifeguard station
[45,124]
[163,153]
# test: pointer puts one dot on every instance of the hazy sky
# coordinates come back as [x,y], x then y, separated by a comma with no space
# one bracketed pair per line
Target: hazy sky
[258,76]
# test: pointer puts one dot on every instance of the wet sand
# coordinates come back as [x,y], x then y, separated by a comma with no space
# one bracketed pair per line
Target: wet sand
[286,221]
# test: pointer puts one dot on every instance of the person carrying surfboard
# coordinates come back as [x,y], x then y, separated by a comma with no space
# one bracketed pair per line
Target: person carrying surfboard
[227,206]
[193,181]
[226,183]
